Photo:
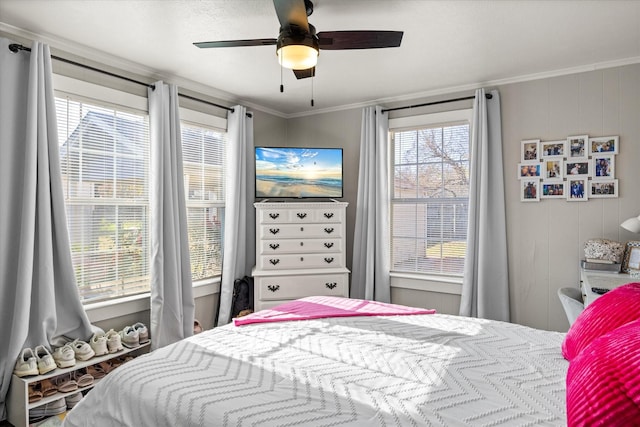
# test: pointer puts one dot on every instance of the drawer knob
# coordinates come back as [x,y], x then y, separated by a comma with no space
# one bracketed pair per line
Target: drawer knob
[274,261]
[331,285]
[301,243]
[274,246]
[328,260]
[274,215]
[328,245]
[301,228]
[274,230]
[301,215]
[301,259]
[273,288]
[328,230]
[328,215]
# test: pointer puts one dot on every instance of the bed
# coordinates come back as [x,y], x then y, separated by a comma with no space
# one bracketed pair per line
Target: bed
[376,368]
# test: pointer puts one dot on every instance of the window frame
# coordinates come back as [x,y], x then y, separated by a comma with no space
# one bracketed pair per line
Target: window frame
[217,124]
[441,283]
[99,95]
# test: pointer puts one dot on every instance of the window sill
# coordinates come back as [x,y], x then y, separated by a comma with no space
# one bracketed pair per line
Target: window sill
[425,282]
[124,306]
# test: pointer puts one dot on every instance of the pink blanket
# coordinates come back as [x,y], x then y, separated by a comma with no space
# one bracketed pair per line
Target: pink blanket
[321,307]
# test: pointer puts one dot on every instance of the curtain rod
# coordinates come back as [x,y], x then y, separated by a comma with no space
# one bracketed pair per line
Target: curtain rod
[14,47]
[487,95]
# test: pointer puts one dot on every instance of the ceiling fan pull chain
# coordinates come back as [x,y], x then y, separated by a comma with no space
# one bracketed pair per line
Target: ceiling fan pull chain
[281,85]
[312,78]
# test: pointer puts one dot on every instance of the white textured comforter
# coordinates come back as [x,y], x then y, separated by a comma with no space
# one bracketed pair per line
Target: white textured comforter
[418,370]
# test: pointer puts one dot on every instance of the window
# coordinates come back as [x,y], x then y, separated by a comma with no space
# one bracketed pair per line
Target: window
[430,198]
[203,168]
[104,161]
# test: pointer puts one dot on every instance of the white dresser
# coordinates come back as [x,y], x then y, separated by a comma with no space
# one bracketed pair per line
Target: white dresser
[300,251]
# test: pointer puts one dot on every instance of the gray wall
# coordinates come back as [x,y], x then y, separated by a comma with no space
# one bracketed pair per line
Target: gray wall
[545,239]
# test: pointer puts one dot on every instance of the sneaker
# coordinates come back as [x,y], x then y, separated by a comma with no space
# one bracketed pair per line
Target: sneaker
[64,356]
[26,364]
[114,343]
[98,343]
[143,332]
[73,399]
[82,350]
[45,360]
[49,409]
[130,337]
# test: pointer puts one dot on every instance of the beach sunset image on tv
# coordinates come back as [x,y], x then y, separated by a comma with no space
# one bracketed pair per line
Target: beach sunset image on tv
[298,172]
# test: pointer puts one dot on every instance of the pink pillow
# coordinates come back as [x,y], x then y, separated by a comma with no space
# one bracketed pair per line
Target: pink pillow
[613,309]
[603,381]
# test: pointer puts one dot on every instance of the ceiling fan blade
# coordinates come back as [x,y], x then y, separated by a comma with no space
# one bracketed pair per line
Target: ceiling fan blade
[342,40]
[292,12]
[303,74]
[237,43]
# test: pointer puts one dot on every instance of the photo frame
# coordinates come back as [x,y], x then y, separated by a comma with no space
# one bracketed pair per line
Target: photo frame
[603,188]
[553,190]
[552,169]
[577,147]
[550,150]
[576,168]
[603,144]
[530,151]
[529,170]
[603,165]
[530,190]
[631,258]
[577,189]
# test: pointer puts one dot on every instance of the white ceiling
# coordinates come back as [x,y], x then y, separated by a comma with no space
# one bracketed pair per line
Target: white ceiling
[447,45]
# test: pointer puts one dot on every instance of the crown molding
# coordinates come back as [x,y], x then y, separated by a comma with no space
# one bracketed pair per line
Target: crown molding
[73,48]
[136,68]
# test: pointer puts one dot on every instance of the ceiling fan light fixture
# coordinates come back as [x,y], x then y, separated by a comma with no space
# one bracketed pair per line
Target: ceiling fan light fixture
[297,56]
[297,49]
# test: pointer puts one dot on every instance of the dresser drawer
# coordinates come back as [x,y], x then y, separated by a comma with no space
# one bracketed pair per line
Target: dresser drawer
[300,216]
[292,287]
[300,246]
[280,216]
[328,215]
[300,261]
[295,231]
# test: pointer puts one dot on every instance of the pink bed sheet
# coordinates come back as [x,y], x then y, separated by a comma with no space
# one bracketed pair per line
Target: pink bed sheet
[322,307]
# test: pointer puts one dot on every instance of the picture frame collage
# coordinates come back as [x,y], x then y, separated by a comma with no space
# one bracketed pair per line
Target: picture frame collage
[575,169]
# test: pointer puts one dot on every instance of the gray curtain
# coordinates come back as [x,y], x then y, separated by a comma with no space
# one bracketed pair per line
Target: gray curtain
[39,300]
[239,236]
[485,287]
[172,305]
[370,267]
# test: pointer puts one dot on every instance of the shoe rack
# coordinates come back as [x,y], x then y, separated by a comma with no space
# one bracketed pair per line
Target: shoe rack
[18,405]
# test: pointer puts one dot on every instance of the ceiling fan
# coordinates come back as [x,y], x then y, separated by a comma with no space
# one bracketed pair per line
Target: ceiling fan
[298,44]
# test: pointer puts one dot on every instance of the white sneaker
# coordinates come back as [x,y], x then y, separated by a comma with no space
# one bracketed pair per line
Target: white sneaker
[73,399]
[26,364]
[114,343]
[130,337]
[45,360]
[82,350]
[64,356]
[98,343]
[143,332]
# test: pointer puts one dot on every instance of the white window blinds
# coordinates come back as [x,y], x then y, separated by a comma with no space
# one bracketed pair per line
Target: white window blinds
[203,167]
[430,197]
[104,159]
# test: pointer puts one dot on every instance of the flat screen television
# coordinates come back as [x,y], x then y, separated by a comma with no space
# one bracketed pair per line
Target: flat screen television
[287,172]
